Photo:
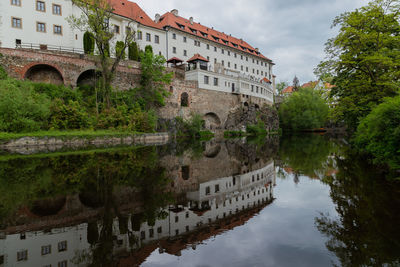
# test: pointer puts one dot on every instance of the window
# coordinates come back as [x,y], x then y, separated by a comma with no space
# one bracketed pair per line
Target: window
[207,190]
[159,230]
[235,55]
[241,57]
[187,215]
[184,39]
[215,49]
[22,255]
[142,235]
[40,6]
[253,71]
[235,66]
[222,51]
[208,58]
[216,188]
[16,2]
[176,219]
[197,43]
[229,64]
[156,39]
[252,89]
[106,23]
[174,50]
[262,73]
[258,72]
[247,69]
[215,61]
[148,37]
[216,81]
[185,53]
[247,59]
[241,68]
[62,246]
[16,23]
[40,27]
[63,264]
[206,79]
[208,46]
[56,9]
[116,29]
[46,250]
[229,53]
[253,60]
[184,103]
[140,35]
[151,233]
[174,36]
[223,63]
[57,29]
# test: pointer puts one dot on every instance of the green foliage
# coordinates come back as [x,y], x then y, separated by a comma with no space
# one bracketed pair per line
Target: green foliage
[190,128]
[303,110]
[21,108]
[120,49]
[3,73]
[364,59]
[133,51]
[154,79]
[379,133]
[148,49]
[257,129]
[88,43]
[281,86]
[71,115]
[57,91]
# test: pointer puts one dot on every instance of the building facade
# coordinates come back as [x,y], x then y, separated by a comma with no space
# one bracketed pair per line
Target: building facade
[231,64]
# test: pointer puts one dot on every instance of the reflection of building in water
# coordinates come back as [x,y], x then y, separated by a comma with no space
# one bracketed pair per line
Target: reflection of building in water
[228,201]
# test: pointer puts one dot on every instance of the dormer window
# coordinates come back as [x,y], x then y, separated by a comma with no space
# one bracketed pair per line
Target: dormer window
[180,26]
[193,30]
[235,45]
[215,38]
[225,41]
[204,34]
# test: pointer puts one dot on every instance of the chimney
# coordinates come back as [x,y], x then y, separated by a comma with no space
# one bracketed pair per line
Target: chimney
[157,19]
[191,20]
[175,12]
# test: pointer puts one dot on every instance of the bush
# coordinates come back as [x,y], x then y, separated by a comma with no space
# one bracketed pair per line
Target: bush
[257,129]
[21,108]
[133,51]
[68,116]
[119,46]
[88,43]
[303,110]
[379,133]
[148,49]
[57,91]
[3,73]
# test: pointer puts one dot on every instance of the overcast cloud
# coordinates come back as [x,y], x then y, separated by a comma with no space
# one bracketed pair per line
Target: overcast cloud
[290,32]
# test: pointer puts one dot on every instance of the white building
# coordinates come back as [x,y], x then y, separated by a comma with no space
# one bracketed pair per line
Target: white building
[240,68]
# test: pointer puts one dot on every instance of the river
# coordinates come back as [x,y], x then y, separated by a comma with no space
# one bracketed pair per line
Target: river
[291,201]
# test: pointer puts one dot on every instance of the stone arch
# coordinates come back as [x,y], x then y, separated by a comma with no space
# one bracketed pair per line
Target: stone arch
[212,121]
[43,72]
[88,77]
[184,99]
[48,207]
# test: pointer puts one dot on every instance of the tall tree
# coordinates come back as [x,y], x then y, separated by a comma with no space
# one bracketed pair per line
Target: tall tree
[296,84]
[281,86]
[95,19]
[364,59]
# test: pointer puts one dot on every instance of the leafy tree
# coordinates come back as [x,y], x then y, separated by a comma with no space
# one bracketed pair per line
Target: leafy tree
[364,59]
[303,110]
[133,51]
[296,84]
[153,80]
[120,49]
[281,86]
[88,43]
[96,16]
[148,49]
[379,133]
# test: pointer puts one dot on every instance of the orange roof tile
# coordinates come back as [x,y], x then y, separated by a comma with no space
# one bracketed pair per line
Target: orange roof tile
[266,80]
[197,57]
[182,24]
[288,90]
[132,11]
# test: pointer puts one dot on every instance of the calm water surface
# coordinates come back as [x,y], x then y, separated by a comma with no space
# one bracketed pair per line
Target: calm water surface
[298,201]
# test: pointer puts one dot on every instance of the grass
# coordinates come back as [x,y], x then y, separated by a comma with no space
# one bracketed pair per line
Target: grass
[67,134]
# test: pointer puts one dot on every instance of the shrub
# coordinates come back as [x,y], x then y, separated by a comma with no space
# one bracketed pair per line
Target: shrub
[257,129]
[379,133]
[21,108]
[88,43]
[148,49]
[303,110]
[57,91]
[133,51]
[68,116]
[119,46]
[3,73]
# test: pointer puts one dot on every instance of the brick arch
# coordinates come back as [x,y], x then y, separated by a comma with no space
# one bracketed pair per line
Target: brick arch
[50,73]
[86,76]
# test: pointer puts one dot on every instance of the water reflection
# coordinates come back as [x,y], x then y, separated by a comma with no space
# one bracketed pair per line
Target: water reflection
[115,208]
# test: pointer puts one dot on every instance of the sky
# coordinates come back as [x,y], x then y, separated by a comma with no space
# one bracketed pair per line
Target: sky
[290,32]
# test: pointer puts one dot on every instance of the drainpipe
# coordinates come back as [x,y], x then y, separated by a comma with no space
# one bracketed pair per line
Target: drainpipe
[166,32]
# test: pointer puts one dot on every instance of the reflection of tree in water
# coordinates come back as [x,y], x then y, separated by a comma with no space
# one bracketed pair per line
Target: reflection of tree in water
[307,155]
[367,232]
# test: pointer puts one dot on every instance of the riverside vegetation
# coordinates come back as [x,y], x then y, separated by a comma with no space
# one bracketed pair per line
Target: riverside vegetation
[363,64]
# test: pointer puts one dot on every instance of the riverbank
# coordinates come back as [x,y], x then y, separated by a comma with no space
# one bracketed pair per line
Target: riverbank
[51,141]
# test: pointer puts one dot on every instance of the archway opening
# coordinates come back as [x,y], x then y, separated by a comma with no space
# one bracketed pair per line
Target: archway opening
[44,73]
[212,121]
[48,207]
[88,78]
[184,99]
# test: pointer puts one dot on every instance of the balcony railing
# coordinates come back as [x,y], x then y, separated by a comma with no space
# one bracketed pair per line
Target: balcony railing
[45,47]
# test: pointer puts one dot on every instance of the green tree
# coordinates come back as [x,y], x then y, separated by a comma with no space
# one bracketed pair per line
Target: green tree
[303,110]
[148,49]
[96,17]
[281,86]
[88,43]
[153,80]
[133,51]
[364,59]
[120,49]
[379,133]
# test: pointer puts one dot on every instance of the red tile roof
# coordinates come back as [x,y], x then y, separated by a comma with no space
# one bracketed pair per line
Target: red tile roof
[132,10]
[310,84]
[288,90]
[174,60]
[182,24]
[197,57]
[266,80]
